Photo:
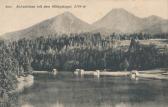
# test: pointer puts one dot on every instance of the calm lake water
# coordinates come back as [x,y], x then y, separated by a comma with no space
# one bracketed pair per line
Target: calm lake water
[68,90]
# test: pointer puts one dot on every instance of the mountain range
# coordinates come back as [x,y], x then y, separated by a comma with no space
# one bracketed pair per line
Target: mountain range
[116,21]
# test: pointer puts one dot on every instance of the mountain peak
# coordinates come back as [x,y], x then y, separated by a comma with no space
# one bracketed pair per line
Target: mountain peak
[119,20]
[64,23]
[118,11]
[67,14]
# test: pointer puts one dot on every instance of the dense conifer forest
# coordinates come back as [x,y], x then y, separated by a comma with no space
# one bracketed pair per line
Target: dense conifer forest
[89,51]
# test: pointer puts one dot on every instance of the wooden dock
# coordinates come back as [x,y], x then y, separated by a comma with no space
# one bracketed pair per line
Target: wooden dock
[155,74]
[40,72]
[100,73]
[54,72]
[119,73]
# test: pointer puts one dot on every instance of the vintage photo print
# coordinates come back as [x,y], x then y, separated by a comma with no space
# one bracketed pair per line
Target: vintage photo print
[83,53]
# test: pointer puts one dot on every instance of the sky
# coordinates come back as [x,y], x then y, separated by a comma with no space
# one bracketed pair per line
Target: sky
[12,19]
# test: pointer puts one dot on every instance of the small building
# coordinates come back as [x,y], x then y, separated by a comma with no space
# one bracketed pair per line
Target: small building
[79,72]
[54,71]
[134,74]
[96,73]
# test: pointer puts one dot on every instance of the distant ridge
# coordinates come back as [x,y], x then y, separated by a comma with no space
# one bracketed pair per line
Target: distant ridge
[65,23]
[116,21]
[121,21]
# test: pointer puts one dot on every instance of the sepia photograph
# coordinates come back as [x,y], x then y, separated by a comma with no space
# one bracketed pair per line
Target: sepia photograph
[83,53]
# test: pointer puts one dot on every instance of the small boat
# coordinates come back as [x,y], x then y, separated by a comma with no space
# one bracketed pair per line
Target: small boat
[76,72]
[82,71]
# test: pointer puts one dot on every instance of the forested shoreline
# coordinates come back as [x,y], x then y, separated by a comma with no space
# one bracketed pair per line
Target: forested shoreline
[89,51]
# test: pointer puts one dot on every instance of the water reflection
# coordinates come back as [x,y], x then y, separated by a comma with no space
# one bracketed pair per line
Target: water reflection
[67,90]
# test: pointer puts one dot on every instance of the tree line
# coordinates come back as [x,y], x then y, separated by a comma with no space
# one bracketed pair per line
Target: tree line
[89,51]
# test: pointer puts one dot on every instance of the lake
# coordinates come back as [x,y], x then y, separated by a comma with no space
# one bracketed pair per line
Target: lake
[68,90]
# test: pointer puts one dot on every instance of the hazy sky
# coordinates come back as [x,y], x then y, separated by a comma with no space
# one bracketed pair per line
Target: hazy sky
[12,19]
